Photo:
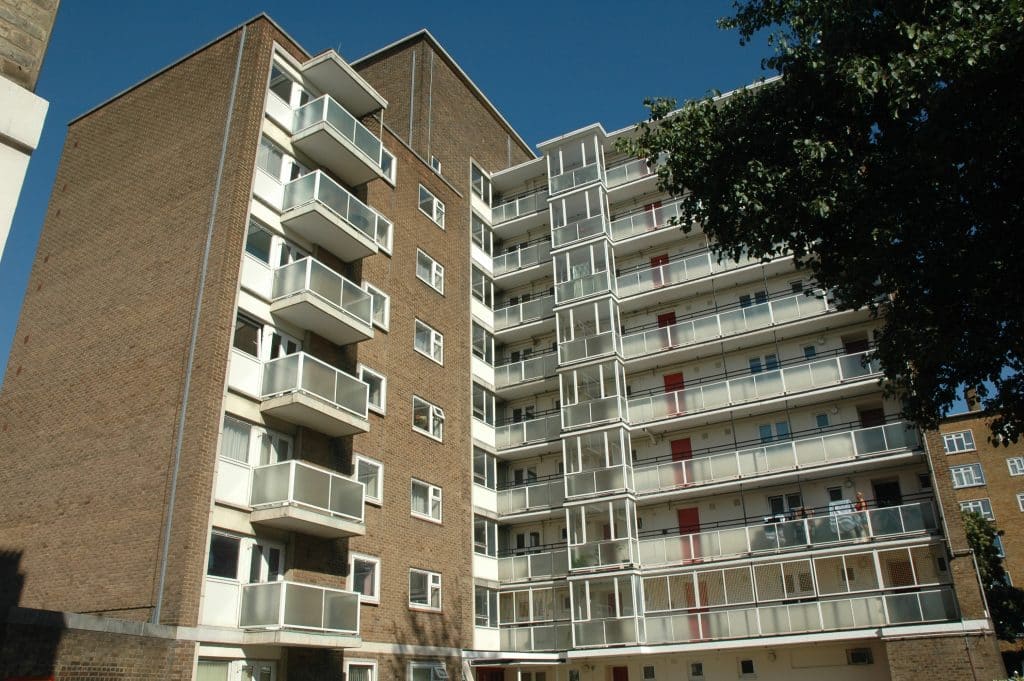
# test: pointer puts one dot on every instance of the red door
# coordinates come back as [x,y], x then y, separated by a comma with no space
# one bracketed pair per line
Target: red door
[666,319]
[653,207]
[656,271]
[620,673]
[682,450]
[674,383]
[689,523]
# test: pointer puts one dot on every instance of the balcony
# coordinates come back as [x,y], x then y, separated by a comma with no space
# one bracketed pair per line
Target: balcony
[836,528]
[588,347]
[538,496]
[322,211]
[527,204]
[537,639]
[524,313]
[692,267]
[583,286]
[311,296]
[609,631]
[725,324]
[544,428]
[299,497]
[303,390]
[570,179]
[870,612]
[612,408]
[777,457]
[294,614]
[334,139]
[602,554]
[521,259]
[578,231]
[524,372]
[599,481]
[542,565]
[628,172]
[791,380]
[644,222]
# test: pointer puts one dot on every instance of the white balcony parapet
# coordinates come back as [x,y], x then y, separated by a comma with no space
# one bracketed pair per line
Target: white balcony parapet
[579,349]
[797,378]
[721,325]
[313,296]
[307,391]
[676,272]
[318,190]
[531,431]
[298,496]
[325,109]
[627,172]
[644,222]
[289,605]
[599,481]
[776,457]
[540,638]
[541,565]
[578,230]
[534,497]
[522,258]
[798,618]
[522,313]
[583,287]
[574,178]
[606,632]
[533,368]
[836,527]
[605,553]
[524,205]
[581,414]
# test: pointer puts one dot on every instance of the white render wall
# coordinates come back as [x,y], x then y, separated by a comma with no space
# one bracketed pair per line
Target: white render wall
[21,123]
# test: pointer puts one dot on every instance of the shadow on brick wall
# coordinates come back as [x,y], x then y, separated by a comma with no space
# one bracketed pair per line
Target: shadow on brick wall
[28,651]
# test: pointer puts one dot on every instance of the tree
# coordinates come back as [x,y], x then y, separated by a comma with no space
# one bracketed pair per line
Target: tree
[888,159]
[1005,602]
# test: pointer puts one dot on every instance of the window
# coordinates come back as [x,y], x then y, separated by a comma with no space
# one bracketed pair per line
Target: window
[427,418]
[360,670]
[483,404]
[364,577]
[234,442]
[485,536]
[649,672]
[380,306]
[377,395]
[480,183]
[431,207]
[982,507]
[224,551]
[424,590]
[764,431]
[485,606]
[384,235]
[810,352]
[247,336]
[1020,501]
[1016,465]
[273,160]
[290,92]
[962,441]
[429,271]
[782,503]
[371,474]
[696,671]
[483,344]
[821,420]
[482,234]
[430,342]
[747,669]
[859,656]
[426,500]
[435,164]
[482,287]
[430,670]
[257,242]
[924,480]
[997,543]
[796,286]
[967,476]
[485,469]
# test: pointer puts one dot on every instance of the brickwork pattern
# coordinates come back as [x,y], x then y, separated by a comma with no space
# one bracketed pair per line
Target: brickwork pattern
[25,27]
[954,657]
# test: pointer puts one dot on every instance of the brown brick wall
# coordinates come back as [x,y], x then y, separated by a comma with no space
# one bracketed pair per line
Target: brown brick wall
[25,28]
[954,657]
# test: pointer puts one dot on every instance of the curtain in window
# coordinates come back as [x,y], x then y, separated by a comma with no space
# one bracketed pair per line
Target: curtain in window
[235,444]
[212,670]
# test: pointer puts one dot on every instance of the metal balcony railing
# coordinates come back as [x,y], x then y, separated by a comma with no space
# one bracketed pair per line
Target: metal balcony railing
[643,222]
[598,481]
[574,178]
[530,369]
[579,349]
[521,258]
[534,497]
[676,272]
[522,313]
[578,230]
[531,431]
[627,172]
[542,565]
[523,205]
[541,638]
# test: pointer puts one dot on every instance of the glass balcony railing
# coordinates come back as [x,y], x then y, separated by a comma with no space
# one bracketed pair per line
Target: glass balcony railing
[313,276]
[676,272]
[776,457]
[524,371]
[831,615]
[627,172]
[524,205]
[305,374]
[297,483]
[711,327]
[540,638]
[316,187]
[577,231]
[522,313]
[574,178]
[325,110]
[606,632]
[593,411]
[522,258]
[793,379]
[290,605]
[535,497]
[600,554]
[582,287]
[533,431]
[543,565]
[647,221]
[579,349]
[837,527]
[598,481]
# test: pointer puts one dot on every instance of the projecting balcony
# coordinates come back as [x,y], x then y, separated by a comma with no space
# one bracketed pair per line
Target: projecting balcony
[791,380]
[776,457]
[609,631]
[604,554]
[644,222]
[725,324]
[298,497]
[301,615]
[588,347]
[536,639]
[529,498]
[625,173]
[521,261]
[324,131]
[520,314]
[541,565]
[544,428]
[311,296]
[599,481]
[322,211]
[576,177]
[678,271]
[303,390]
[592,412]
[583,286]
[524,376]
[520,207]
[869,612]
[578,230]
[836,526]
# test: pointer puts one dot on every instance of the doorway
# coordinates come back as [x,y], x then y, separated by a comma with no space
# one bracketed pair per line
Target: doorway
[682,450]
[887,493]
[689,523]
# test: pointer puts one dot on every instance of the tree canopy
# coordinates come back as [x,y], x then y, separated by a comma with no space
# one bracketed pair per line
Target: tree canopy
[1005,602]
[884,159]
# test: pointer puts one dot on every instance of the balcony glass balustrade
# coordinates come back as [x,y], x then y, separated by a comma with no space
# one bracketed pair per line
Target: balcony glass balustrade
[522,313]
[522,258]
[309,275]
[598,481]
[317,188]
[789,380]
[644,222]
[732,322]
[541,638]
[606,632]
[574,178]
[775,457]
[294,483]
[545,428]
[326,110]
[593,411]
[676,272]
[844,526]
[599,554]
[579,349]
[578,230]
[537,496]
[304,607]
[583,287]
[545,564]
[524,205]
[530,369]
[306,374]
[627,172]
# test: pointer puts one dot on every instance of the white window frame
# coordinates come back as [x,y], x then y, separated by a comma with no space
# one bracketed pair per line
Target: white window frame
[433,493]
[437,206]
[960,441]
[435,164]
[357,662]
[1020,501]
[378,499]
[968,475]
[978,506]
[350,582]
[435,350]
[435,416]
[384,323]
[1015,464]
[433,582]
[435,271]
[381,408]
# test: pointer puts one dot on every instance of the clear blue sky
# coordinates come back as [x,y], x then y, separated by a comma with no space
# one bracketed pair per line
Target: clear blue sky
[549,67]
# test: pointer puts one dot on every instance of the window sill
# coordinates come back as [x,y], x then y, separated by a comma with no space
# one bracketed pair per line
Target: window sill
[429,519]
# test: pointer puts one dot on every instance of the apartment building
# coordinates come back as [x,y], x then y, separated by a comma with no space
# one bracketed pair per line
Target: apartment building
[323,371]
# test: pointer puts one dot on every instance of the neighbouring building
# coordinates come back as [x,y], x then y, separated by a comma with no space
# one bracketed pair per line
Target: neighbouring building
[322,371]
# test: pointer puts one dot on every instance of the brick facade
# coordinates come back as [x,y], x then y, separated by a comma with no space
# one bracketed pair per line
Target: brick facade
[951,657]
[25,29]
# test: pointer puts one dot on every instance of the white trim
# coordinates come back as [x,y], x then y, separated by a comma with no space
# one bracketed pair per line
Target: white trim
[437,206]
[385,323]
[431,585]
[435,414]
[433,492]
[382,408]
[375,500]
[373,599]
[435,274]
[361,662]
[435,341]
